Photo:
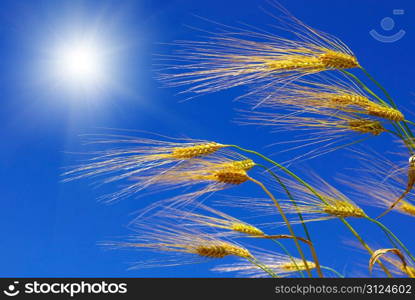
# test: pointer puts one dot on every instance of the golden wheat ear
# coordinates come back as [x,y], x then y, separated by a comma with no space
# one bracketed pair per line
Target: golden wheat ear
[246,56]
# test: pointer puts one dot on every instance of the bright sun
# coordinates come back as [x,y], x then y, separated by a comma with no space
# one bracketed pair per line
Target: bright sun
[83,63]
[81,57]
[79,64]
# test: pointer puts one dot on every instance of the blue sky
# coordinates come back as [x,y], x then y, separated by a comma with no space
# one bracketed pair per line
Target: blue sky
[51,228]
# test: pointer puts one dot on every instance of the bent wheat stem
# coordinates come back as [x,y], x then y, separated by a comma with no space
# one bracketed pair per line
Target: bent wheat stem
[389,233]
[411,182]
[300,251]
[365,245]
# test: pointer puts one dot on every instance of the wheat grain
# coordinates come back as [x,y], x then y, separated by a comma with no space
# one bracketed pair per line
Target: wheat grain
[194,151]
[343,209]
[366,126]
[247,229]
[221,250]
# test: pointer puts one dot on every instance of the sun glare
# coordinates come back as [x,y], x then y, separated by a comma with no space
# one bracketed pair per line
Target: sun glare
[83,58]
[79,64]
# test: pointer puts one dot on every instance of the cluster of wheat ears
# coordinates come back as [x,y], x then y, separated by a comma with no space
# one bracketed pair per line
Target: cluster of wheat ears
[309,83]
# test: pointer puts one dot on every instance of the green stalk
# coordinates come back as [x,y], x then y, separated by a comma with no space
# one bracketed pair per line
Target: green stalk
[364,86]
[289,255]
[352,230]
[300,216]
[255,262]
[388,232]
[365,245]
[333,270]
[396,125]
[387,96]
[410,122]
[300,251]
[310,244]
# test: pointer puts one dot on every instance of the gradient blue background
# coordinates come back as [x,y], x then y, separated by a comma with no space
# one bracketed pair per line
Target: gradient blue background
[52,229]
